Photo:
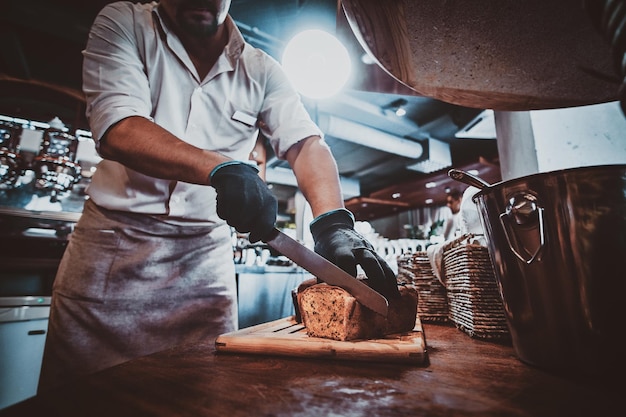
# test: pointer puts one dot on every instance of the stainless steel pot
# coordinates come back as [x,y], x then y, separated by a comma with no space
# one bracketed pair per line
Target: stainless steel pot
[557,241]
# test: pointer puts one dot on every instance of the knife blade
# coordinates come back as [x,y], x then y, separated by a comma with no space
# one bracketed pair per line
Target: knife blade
[327,271]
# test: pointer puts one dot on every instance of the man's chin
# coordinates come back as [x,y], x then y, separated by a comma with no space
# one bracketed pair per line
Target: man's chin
[198,23]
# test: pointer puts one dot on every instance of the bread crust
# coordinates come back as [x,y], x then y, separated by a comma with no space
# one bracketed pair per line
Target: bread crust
[330,312]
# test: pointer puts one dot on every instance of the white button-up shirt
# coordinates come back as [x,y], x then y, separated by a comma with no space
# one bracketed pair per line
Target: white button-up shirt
[134,66]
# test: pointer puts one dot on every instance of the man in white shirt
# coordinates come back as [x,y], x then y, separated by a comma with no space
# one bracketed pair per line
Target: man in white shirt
[175,100]
[453,223]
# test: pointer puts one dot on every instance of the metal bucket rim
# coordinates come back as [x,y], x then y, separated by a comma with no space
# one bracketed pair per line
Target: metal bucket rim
[557,173]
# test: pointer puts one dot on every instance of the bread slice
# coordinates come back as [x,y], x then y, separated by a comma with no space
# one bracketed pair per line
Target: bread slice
[330,312]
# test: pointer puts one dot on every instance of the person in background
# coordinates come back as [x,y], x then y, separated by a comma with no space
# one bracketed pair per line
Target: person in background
[175,100]
[453,223]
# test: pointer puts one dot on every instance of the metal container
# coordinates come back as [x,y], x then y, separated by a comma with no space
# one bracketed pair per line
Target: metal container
[55,166]
[557,241]
[10,159]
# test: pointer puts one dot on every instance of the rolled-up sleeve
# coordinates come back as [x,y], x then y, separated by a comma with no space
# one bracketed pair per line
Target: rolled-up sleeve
[285,117]
[114,80]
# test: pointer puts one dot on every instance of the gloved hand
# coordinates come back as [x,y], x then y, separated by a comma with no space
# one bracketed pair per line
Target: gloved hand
[243,199]
[336,240]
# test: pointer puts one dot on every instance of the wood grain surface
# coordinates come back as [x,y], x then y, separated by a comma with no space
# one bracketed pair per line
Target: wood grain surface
[464,377]
[497,54]
[286,337]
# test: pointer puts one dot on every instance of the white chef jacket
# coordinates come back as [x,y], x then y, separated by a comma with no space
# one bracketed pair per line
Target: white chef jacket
[135,66]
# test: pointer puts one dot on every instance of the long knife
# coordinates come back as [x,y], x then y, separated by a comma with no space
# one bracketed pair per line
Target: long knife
[327,271]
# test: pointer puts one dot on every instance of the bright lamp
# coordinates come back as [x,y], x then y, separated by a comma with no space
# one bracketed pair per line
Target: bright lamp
[317,64]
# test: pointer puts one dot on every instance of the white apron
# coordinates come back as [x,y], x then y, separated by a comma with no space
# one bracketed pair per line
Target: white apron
[130,285]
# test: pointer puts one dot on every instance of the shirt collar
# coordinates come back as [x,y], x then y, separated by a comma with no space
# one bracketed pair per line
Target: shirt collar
[236,41]
[233,50]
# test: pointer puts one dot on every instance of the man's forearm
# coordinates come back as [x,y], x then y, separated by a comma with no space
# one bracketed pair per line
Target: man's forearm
[316,172]
[146,147]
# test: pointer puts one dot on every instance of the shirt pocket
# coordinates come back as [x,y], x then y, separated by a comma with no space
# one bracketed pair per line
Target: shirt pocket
[238,127]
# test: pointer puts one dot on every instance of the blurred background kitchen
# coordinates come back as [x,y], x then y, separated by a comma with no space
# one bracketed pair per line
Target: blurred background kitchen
[393,145]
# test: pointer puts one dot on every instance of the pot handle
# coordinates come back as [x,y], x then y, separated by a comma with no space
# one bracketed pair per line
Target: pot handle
[468,179]
[523,209]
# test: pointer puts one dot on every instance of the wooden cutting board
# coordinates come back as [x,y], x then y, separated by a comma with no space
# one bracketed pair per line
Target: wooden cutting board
[286,337]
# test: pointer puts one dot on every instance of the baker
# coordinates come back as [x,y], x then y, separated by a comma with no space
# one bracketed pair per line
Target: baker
[175,101]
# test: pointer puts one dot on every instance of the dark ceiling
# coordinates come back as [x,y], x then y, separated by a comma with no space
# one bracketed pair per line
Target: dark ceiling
[40,77]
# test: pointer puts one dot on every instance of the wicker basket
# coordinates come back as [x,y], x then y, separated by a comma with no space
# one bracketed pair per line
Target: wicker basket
[474,301]
[415,269]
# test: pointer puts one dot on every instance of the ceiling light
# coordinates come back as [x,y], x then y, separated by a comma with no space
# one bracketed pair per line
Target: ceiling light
[428,201]
[397,107]
[317,64]
[396,195]
[431,184]
[367,59]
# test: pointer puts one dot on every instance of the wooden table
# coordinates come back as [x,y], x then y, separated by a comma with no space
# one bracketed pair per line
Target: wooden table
[465,377]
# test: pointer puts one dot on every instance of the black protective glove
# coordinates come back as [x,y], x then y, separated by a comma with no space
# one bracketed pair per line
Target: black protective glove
[336,240]
[243,199]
